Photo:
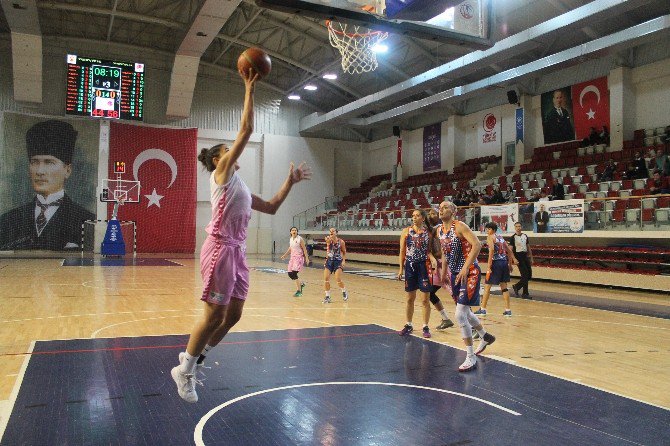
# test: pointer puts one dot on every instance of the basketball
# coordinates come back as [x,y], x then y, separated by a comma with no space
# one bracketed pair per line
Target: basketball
[255,58]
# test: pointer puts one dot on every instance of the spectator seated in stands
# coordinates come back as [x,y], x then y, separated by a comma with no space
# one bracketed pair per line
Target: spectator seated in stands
[557,191]
[509,195]
[637,167]
[592,139]
[497,197]
[605,136]
[659,184]
[608,172]
[660,162]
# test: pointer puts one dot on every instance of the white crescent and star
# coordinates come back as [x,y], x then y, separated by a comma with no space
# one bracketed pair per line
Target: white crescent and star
[589,88]
[161,155]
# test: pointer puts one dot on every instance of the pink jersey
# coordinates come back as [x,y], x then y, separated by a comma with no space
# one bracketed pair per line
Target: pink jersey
[230,223]
[297,256]
[222,259]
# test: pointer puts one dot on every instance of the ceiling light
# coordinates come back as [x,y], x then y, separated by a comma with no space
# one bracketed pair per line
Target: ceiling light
[330,76]
[294,97]
[310,87]
[380,48]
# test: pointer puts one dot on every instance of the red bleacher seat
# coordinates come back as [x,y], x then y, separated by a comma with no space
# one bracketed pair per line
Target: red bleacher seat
[663,202]
[620,205]
[647,215]
[618,215]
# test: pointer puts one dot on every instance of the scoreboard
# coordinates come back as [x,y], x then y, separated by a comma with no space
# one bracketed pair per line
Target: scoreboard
[104,88]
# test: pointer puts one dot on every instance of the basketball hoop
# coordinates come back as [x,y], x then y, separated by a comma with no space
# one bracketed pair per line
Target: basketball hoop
[355,47]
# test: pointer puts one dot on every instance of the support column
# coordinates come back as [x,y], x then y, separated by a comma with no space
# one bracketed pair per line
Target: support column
[622,109]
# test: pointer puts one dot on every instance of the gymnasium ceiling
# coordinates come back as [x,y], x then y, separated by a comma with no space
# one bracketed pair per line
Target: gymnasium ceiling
[396,93]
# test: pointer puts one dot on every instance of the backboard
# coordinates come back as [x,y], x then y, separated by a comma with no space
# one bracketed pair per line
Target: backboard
[457,22]
[117,190]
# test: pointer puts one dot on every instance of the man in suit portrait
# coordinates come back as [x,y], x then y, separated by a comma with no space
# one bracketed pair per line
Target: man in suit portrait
[557,124]
[50,220]
[542,219]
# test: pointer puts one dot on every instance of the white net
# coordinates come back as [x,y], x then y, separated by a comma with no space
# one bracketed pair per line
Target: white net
[93,233]
[355,46]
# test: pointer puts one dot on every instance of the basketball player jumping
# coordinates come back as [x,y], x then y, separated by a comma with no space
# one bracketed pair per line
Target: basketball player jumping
[223,266]
[460,248]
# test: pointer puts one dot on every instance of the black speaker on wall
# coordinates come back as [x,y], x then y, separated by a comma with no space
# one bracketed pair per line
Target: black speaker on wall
[512,98]
[396,130]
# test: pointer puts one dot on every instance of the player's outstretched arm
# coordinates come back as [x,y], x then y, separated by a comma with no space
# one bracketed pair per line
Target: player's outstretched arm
[295,175]
[223,169]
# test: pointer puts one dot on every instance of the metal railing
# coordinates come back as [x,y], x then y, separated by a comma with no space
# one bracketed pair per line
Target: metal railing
[600,213]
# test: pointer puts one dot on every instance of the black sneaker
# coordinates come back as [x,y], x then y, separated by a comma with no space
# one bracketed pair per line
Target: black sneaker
[516,291]
[446,323]
[526,296]
[426,332]
[487,340]
[406,330]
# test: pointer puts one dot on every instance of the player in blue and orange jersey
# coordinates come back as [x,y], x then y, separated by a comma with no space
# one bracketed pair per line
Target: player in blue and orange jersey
[415,259]
[460,248]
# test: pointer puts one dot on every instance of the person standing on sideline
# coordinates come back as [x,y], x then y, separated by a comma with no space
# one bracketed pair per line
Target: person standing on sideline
[336,257]
[460,248]
[524,257]
[435,249]
[299,257]
[223,266]
[415,258]
[500,264]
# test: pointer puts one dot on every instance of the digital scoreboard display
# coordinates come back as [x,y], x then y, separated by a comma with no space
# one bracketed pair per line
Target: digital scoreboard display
[104,88]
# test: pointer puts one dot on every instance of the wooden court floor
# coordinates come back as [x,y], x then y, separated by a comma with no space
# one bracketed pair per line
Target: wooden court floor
[40,299]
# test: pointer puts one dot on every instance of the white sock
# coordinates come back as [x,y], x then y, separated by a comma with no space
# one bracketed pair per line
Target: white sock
[470,349]
[188,366]
[409,323]
[344,290]
[506,309]
[425,326]
[444,314]
[328,293]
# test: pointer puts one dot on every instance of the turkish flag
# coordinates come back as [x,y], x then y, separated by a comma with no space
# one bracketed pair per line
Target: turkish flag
[164,162]
[590,106]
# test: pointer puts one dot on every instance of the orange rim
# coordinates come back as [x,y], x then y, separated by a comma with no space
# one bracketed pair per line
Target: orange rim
[352,35]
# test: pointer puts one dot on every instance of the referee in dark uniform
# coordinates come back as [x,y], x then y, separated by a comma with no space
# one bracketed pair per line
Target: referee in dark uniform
[521,248]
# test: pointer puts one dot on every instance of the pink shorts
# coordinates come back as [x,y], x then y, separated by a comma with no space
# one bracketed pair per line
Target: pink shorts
[224,268]
[295,263]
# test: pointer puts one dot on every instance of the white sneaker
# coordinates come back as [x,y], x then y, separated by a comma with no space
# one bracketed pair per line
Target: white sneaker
[185,383]
[345,296]
[326,300]
[487,339]
[470,363]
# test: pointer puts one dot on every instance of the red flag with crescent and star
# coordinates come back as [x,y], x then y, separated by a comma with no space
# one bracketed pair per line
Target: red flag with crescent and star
[591,106]
[163,160]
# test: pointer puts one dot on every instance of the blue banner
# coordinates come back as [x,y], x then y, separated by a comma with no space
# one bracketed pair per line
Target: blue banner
[519,125]
[432,157]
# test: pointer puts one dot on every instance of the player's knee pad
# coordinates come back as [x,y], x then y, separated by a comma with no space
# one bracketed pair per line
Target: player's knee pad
[433,298]
[293,275]
[461,315]
[504,290]
[466,331]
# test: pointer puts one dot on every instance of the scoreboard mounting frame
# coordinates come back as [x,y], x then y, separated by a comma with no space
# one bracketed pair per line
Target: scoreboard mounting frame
[104,88]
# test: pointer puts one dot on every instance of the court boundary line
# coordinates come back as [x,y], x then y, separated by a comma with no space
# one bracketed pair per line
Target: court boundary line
[516,364]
